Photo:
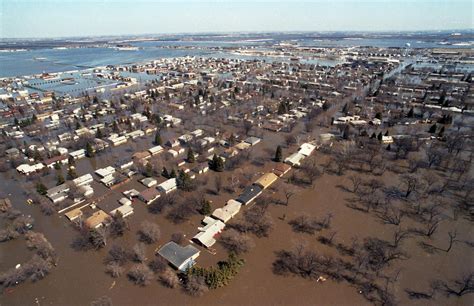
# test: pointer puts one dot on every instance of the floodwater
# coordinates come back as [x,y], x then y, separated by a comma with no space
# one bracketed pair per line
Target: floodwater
[37,61]
[79,277]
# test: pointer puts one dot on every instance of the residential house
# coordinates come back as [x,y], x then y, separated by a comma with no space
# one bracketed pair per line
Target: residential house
[249,194]
[149,195]
[168,185]
[149,182]
[181,258]
[266,180]
[207,234]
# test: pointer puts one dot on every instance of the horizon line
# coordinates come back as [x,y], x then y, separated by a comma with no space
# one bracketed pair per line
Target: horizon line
[243,32]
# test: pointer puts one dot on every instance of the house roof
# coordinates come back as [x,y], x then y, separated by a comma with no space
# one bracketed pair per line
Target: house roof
[252,140]
[295,158]
[280,169]
[266,180]
[96,219]
[306,149]
[222,214]
[168,184]
[177,255]
[207,233]
[249,194]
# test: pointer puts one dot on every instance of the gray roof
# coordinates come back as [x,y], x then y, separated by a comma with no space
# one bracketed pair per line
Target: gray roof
[249,193]
[176,254]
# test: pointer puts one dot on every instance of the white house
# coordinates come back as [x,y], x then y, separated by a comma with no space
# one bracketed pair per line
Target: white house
[206,235]
[168,185]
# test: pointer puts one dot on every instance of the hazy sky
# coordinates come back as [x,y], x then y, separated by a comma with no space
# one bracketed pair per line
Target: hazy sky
[60,18]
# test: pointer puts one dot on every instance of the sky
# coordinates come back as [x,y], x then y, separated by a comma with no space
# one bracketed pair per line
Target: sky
[72,18]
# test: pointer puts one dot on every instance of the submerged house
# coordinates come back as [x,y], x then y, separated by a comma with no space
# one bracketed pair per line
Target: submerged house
[266,180]
[227,212]
[206,234]
[249,194]
[181,258]
[294,159]
[149,195]
[168,185]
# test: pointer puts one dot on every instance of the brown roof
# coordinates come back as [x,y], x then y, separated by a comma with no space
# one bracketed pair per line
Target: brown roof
[281,169]
[96,219]
[266,180]
[149,194]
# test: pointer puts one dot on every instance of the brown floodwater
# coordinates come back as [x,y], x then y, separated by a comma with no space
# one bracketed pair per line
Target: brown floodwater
[79,277]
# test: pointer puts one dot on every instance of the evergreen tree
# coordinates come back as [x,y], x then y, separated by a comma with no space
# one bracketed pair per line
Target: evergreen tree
[183,181]
[345,108]
[410,113]
[37,156]
[232,139]
[158,140]
[89,150]
[165,173]
[59,179]
[148,170]
[278,154]
[41,189]
[173,174]
[217,164]
[205,207]
[441,132]
[71,173]
[99,134]
[380,136]
[57,166]
[432,129]
[346,132]
[115,127]
[191,158]
[386,133]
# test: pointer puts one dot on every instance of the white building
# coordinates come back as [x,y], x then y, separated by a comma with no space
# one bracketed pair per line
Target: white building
[168,185]
[206,235]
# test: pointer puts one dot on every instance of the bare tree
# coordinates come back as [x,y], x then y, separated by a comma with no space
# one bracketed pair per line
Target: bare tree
[356,182]
[452,240]
[140,275]
[149,232]
[114,269]
[236,242]
[102,301]
[289,193]
[139,252]
[410,184]
[398,236]
[117,254]
[196,285]
[178,237]
[169,278]
[158,264]
[458,287]
[218,185]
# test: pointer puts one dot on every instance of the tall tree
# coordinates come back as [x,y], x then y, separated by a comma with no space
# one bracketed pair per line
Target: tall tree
[191,158]
[278,154]
[158,141]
